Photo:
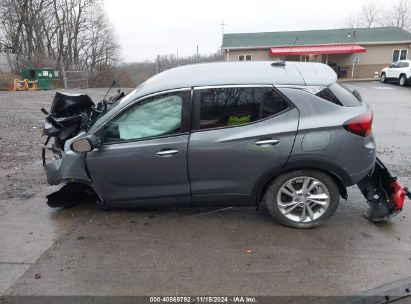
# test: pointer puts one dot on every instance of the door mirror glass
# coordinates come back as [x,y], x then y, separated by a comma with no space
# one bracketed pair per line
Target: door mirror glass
[85,144]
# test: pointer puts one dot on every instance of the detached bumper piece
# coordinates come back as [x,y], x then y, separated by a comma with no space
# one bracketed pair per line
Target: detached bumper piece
[384,194]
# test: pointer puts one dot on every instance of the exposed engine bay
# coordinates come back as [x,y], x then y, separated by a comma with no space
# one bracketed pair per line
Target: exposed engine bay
[72,113]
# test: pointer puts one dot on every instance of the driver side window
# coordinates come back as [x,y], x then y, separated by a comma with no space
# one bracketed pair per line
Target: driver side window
[160,115]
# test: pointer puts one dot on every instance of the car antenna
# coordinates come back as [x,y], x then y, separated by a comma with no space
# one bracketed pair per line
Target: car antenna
[282,62]
[291,48]
[112,85]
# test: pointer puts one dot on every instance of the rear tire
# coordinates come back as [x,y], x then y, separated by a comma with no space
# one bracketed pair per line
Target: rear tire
[313,191]
[403,80]
[383,78]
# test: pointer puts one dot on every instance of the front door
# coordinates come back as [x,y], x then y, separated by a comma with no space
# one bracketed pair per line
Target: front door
[392,71]
[143,158]
[240,136]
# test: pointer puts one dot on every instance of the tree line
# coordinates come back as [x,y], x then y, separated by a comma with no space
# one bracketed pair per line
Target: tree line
[74,34]
[387,13]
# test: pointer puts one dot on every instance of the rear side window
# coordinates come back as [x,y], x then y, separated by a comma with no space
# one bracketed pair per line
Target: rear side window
[327,94]
[335,93]
[223,107]
[346,97]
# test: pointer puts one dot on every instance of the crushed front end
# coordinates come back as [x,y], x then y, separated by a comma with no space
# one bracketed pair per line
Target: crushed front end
[69,116]
[384,194]
[68,120]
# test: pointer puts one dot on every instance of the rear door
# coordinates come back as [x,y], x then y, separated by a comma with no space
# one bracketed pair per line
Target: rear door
[241,135]
[143,158]
[403,68]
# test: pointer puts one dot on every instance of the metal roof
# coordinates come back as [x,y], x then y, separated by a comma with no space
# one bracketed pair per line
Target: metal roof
[316,37]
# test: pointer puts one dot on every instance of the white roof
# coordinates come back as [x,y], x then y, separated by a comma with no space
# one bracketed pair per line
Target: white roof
[237,73]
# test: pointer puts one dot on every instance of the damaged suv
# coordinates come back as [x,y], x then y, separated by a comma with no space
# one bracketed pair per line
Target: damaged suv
[284,134]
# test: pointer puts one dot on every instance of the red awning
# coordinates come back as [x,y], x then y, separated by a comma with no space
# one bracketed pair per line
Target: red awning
[316,49]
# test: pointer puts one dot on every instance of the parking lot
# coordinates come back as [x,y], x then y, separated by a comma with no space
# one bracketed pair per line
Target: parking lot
[87,251]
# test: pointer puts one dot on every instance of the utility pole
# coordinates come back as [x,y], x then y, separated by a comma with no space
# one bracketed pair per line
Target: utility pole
[197,54]
[158,64]
[222,35]
[354,61]
[222,28]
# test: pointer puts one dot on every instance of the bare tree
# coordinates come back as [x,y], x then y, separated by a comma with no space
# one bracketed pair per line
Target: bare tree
[72,33]
[100,51]
[352,21]
[401,14]
[370,14]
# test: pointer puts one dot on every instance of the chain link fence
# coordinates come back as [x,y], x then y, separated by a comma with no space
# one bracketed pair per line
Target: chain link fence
[76,80]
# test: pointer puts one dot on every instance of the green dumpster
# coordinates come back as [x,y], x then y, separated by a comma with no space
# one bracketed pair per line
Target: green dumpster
[45,77]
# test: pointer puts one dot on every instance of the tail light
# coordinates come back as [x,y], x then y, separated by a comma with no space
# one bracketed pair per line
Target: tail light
[399,195]
[360,125]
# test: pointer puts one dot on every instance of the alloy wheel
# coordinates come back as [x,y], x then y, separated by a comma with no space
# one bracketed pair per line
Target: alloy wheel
[402,81]
[303,199]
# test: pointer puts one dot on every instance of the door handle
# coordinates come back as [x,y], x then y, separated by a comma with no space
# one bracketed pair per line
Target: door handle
[169,152]
[267,142]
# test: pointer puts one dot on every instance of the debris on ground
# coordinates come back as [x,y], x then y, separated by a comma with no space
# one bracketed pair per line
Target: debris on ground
[248,251]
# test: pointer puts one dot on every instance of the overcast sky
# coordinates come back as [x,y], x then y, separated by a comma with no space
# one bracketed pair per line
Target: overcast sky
[147,28]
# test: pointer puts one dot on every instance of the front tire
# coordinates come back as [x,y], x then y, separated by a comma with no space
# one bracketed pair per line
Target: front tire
[383,78]
[403,81]
[302,198]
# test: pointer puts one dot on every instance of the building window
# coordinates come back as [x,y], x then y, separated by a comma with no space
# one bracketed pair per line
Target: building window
[399,55]
[244,57]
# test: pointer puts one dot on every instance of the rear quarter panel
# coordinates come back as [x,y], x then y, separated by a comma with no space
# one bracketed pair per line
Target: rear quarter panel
[323,143]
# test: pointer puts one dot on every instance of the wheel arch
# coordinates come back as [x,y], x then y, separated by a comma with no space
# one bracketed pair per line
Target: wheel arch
[342,180]
[89,185]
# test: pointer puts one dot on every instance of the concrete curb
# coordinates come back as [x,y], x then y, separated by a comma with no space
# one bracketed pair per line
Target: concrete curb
[357,79]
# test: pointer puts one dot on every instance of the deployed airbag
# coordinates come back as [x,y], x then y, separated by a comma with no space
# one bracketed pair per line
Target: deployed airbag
[150,119]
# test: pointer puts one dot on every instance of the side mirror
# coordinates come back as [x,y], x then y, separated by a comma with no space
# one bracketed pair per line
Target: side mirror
[85,144]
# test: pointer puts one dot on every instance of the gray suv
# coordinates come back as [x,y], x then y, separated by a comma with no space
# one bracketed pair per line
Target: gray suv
[284,134]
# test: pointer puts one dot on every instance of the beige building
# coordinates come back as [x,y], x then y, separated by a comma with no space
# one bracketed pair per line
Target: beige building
[351,52]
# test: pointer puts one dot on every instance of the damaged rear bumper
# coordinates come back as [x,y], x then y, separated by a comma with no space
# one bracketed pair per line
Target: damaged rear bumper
[384,194]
